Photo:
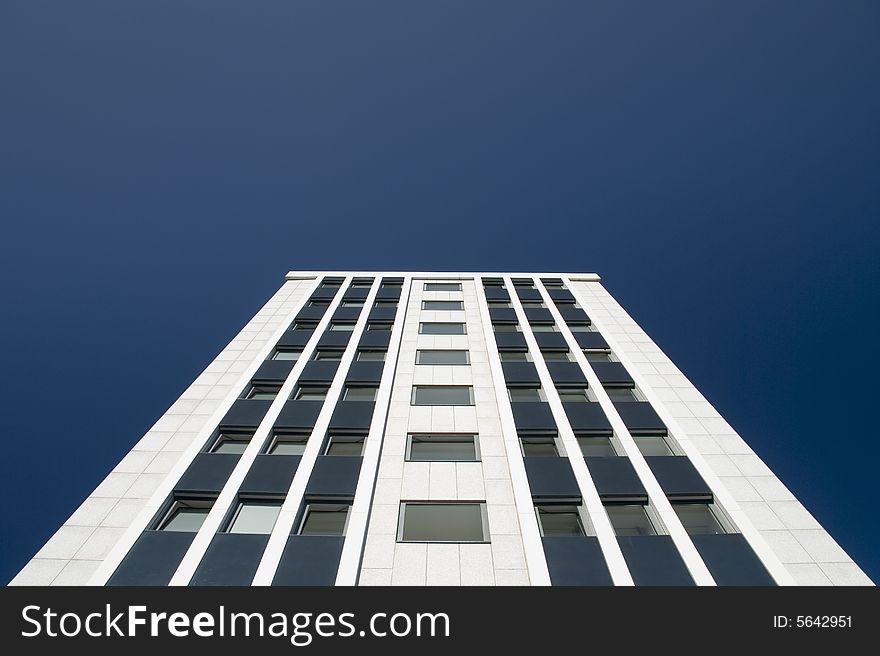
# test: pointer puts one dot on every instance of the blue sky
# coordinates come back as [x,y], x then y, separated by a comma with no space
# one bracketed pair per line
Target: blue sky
[164,163]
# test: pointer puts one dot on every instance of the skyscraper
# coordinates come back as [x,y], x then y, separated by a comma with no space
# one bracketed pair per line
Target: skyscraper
[388,428]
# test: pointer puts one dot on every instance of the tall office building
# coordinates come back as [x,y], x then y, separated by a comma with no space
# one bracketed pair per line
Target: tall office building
[391,428]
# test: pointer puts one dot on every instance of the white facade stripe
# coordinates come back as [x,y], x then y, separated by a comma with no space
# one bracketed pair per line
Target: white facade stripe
[140,523]
[229,493]
[721,494]
[525,508]
[292,502]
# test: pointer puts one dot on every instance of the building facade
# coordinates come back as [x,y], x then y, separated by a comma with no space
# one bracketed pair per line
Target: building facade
[388,428]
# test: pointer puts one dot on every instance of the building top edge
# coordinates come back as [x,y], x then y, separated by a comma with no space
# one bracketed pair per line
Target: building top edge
[588,277]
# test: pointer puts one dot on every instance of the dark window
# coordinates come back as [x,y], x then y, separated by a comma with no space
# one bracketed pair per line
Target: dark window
[445,447]
[560,520]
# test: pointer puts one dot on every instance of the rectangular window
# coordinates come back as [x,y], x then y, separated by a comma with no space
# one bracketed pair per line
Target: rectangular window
[441,447]
[515,356]
[344,445]
[443,305]
[556,356]
[574,394]
[539,446]
[286,354]
[254,517]
[319,303]
[442,357]
[442,286]
[185,515]
[265,392]
[359,393]
[698,518]
[288,444]
[499,304]
[442,395]
[366,355]
[385,304]
[311,392]
[380,325]
[392,284]
[353,303]
[533,304]
[506,328]
[305,325]
[234,443]
[525,394]
[581,328]
[621,394]
[652,445]
[596,445]
[328,355]
[442,328]
[559,520]
[544,328]
[324,519]
[341,326]
[630,520]
[523,283]
[361,284]
[442,522]
[598,356]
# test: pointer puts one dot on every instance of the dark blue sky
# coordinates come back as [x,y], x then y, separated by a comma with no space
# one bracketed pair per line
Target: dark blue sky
[163,164]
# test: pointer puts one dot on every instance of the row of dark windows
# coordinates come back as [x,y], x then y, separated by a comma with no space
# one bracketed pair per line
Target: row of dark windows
[555,492]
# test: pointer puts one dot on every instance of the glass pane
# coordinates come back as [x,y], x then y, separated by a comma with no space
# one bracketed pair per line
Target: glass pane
[288,448]
[556,356]
[621,394]
[343,447]
[437,328]
[505,327]
[328,355]
[653,445]
[185,520]
[443,357]
[443,395]
[543,328]
[379,326]
[324,520]
[698,518]
[597,356]
[515,356]
[436,448]
[442,305]
[443,522]
[573,395]
[226,445]
[371,356]
[630,520]
[525,394]
[311,394]
[580,328]
[541,448]
[596,446]
[263,393]
[343,327]
[255,517]
[563,521]
[287,355]
[442,286]
[360,394]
